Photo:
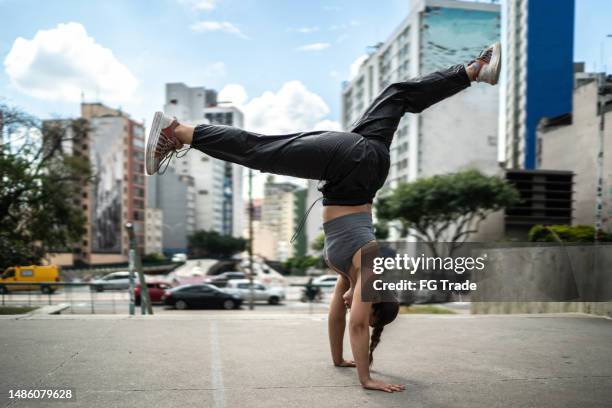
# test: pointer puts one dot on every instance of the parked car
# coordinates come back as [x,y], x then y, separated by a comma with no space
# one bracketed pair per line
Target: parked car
[242,288]
[222,279]
[200,296]
[114,280]
[325,281]
[156,291]
[179,257]
[30,274]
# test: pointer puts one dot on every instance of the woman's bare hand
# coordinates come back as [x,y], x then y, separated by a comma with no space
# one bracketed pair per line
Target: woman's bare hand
[382,386]
[346,363]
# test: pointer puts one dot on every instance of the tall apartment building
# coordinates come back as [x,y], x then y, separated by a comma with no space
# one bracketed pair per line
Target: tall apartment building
[232,202]
[116,194]
[174,196]
[119,190]
[314,224]
[154,231]
[218,184]
[457,133]
[540,38]
[275,219]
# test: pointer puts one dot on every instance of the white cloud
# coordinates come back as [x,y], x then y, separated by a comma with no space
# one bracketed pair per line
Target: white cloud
[205,5]
[313,47]
[327,125]
[354,70]
[233,93]
[293,108]
[60,63]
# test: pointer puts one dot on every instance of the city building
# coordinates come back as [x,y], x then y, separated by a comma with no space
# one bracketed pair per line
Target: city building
[218,184]
[264,244]
[314,223]
[460,132]
[154,224]
[559,138]
[116,194]
[540,39]
[232,202]
[300,244]
[276,217]
[174,195]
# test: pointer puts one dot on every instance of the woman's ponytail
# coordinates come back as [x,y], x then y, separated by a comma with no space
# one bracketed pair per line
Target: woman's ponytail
[383,313]
[374,340]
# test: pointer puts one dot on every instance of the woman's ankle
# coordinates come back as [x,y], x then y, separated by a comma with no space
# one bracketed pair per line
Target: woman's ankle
[184,134]
[472,70]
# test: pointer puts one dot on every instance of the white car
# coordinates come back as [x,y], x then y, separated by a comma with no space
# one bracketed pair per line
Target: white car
[115,280]
[180,257]
[241,287]
[325,281]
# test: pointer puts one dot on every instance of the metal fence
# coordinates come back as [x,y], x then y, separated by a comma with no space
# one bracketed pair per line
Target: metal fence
[80,297]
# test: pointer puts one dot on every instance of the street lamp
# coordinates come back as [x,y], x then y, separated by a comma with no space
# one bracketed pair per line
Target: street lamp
[251,210]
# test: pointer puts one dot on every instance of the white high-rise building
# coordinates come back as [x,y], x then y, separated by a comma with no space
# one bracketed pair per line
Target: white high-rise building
[218,184]
[458,133]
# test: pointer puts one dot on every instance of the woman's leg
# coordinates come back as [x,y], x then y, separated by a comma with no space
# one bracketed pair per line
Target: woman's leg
[382,117]
[336,323]
[310,155]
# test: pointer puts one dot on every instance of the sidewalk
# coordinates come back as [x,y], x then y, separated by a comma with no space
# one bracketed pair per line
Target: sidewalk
[226,359]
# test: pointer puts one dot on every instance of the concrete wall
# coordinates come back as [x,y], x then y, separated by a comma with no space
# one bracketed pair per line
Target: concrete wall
[523,280]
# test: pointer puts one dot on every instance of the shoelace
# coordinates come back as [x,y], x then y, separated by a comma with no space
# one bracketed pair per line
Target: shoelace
[303,220]
[484,56]
[166,145]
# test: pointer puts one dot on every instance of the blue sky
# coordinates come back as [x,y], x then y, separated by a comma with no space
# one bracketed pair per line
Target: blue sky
[254,43]
[158,42]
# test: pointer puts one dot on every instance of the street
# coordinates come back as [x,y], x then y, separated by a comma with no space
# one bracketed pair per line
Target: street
[244,359]
[80,300]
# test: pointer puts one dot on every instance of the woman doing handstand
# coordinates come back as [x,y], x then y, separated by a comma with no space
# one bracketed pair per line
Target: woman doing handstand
[351,166]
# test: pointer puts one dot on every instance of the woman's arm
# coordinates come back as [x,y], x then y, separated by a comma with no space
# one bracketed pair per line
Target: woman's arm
[359,332]
[336,323]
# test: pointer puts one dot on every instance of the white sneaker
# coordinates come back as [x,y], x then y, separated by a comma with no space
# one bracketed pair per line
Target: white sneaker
[162,142]
[489,62]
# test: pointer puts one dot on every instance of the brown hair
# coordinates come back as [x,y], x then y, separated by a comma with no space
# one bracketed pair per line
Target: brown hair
[383,313]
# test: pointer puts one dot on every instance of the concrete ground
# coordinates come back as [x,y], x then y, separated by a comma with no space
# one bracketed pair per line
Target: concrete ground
[239,359]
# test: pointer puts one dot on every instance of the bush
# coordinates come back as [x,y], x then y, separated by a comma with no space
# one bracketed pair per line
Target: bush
[301,262]
[566,233]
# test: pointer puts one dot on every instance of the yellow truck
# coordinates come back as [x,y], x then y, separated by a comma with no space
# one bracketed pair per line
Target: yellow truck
[30,274]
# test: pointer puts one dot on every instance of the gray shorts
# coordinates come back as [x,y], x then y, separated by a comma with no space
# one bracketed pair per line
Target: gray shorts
[344,236]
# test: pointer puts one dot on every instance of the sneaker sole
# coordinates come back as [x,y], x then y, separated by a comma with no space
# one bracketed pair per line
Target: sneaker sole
[154,133]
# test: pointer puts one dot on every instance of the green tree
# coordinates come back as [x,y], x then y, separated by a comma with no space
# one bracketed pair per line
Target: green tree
[445,208]
[318,242]
[211,244]
[41,182]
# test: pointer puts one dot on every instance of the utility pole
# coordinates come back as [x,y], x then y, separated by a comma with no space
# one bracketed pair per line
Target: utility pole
[251,272]
[136,265]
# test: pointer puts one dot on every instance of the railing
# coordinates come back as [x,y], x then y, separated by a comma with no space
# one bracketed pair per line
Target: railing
[107,301]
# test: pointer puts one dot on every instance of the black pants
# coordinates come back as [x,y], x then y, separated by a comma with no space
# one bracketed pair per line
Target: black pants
[352,165]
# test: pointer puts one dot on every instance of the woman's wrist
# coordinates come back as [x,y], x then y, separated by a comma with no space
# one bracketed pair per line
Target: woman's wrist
[365,380]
